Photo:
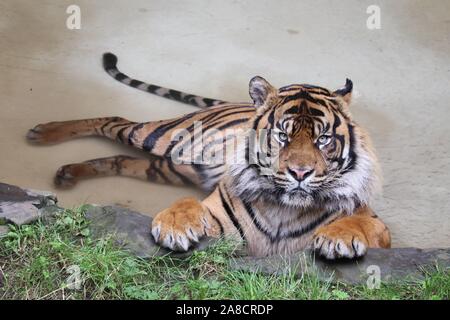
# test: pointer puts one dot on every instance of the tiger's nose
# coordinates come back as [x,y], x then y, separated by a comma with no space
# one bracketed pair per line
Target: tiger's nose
[300,173]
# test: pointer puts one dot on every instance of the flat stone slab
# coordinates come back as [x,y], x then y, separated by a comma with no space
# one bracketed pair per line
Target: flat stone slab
[22,206]
[406,264]
[131,230]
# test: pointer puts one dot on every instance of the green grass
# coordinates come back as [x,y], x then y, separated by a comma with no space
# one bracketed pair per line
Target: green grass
[36,263]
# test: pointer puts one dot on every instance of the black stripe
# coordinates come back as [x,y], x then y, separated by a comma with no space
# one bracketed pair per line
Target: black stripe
[163,176]
[226,124]
[120,76]
[257,120]
[337,122]
[184,179]
[124,125]
[175,95]
[212,102]
[292,234]
[135,83]
[209,116]
[206,119]
[308,228]
[303,108]
[200,170]
[351,153]
[271,118]
[222,116]
[257,223]
[316,112]
[299,95]
[306,96]
[214,166]
[119,125]
[219,111]
[102,128]
[231,214]
[152,138]
[289,88]
[191,99]
[120,134]
[157,170]
[231,123]
[293,110]
[131,134]
[152,88]
[188,99]
[213,116]
[338,137]
[322,90]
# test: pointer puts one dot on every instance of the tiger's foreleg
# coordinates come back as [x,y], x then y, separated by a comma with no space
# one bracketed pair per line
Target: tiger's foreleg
[350,236]
[155,169]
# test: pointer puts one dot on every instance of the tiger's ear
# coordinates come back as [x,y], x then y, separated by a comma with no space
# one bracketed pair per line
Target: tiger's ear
[346,92]
[261,90]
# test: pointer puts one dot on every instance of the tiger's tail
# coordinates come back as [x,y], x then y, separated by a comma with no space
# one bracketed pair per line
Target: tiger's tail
[110,66]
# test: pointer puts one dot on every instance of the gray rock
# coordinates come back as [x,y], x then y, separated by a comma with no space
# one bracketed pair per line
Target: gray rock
[131,230]
[22,206]
[406,264]
[3,231]
[49,213]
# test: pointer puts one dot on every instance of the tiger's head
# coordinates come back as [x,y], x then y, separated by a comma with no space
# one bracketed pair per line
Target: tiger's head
[307,150]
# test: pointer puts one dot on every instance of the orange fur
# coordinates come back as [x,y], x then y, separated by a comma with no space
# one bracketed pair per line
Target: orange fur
[186,220]
[280,215]
[351,235]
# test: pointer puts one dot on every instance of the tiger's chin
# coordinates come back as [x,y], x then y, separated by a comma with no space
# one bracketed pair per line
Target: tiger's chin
[298,198]
[313,200]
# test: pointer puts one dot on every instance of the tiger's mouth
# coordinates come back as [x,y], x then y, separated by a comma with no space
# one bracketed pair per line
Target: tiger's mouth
[318,191]
[299,192]
[338,189]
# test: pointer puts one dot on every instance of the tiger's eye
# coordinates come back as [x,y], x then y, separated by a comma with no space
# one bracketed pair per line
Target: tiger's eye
[282,136]
[324,140]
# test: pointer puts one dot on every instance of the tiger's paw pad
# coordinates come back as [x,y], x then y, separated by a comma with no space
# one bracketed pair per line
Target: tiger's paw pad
[180,226]
[344,244]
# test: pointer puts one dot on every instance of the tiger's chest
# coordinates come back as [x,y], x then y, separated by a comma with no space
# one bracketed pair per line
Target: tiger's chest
[260,245]
[268,230]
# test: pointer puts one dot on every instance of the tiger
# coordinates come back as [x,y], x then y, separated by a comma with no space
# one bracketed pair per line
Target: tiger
[308,186]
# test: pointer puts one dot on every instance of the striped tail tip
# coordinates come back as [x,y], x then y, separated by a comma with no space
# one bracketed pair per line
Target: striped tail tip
[109,61]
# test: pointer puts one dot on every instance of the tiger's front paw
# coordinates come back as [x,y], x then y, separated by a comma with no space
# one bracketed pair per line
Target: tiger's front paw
[181,225]
[336,241]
